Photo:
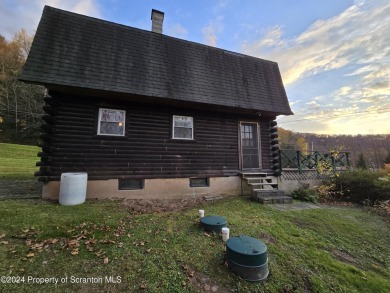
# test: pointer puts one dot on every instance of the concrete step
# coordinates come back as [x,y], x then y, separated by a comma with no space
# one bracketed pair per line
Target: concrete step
[262,183]
[212,197]
[274,199]
[259,178]
[271,196]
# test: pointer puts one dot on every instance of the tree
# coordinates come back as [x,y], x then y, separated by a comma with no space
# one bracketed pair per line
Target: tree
[20,103]
[361,162]
[387,160]
[301,144]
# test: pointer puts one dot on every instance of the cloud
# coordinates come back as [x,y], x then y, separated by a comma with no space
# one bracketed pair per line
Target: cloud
[26,14]
[211,30]
[358,35]
[344,59]
[177,30]
[221,4]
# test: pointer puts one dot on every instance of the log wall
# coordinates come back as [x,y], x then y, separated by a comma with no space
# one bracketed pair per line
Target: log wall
[70,142]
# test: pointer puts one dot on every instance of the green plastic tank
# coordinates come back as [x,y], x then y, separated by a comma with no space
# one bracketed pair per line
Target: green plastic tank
[247,257]
[213,223]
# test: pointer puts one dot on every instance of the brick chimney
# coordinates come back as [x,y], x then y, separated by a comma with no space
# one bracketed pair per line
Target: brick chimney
[157,21]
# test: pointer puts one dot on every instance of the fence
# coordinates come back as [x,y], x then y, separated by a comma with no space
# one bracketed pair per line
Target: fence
[297,160]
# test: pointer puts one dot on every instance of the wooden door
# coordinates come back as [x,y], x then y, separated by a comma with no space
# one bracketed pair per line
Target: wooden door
[250,158]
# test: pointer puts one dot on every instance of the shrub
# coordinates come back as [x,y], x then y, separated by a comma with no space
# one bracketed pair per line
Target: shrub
[305,194]
[325,192]
[361,186]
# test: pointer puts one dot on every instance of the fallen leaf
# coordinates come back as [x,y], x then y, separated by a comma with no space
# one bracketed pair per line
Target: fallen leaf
[99,253]
[81,237]
[120,244]
[185,267]
[143,286]
[208,235]
[2,236]
[206,287]
[53,241]
[74,251]
[4,242]
[31,254]
[105,260]
[164,240]
[73,242]
[148,250]
[191,274]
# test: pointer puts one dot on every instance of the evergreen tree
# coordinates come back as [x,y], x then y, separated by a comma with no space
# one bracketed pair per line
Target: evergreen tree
[361,162]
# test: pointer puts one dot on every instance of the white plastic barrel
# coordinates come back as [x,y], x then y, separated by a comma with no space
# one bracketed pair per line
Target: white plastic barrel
[225,234]
[73,188]
[201,213]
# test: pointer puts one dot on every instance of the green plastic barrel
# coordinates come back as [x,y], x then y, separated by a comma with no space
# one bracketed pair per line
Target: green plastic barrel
[213,223]
[247,257]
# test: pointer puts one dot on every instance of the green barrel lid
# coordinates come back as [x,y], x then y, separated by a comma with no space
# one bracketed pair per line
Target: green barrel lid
[213,223]
[246,251]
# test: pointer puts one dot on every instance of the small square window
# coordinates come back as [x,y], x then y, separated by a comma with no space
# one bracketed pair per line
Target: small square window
[199,182]
[130,184]
[111,122]
[183,127]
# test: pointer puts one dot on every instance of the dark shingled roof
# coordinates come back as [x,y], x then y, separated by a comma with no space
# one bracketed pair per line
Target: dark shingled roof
[84,52]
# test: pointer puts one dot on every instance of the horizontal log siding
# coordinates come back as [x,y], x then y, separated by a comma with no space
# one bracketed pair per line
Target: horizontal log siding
[147,150]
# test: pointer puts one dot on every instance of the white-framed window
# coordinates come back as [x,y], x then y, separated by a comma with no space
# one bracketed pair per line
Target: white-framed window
[182,127]
[111,122]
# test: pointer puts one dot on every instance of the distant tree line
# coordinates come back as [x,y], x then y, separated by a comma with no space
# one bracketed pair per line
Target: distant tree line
[366,151]
[20,103]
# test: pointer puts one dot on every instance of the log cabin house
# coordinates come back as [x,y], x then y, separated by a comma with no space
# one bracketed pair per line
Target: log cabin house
[147,115]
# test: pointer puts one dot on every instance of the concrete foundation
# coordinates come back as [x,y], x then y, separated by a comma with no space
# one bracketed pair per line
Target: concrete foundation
[153,189]
[288,186]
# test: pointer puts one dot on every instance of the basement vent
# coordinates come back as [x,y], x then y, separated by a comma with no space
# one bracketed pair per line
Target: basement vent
[130,184]
[199,182]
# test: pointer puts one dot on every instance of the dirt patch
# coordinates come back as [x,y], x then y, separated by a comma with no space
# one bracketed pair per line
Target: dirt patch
[267,238]
[302,224]
[202,282]
[143,206]
[344,257]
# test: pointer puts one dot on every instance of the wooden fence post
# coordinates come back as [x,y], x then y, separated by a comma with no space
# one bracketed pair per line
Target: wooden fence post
[299,161]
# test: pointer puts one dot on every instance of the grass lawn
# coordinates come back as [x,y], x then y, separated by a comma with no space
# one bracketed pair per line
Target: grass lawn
[18,161]
[320,250]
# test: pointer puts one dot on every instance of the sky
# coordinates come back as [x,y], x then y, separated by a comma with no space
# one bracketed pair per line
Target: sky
[334,55]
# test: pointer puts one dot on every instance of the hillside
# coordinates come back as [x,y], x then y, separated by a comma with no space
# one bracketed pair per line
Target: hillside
[375,148]
[18,160]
